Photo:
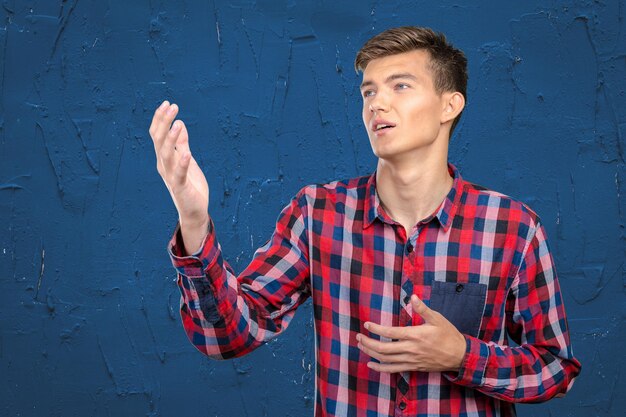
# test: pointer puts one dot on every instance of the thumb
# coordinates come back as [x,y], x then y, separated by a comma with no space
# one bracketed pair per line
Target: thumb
[422,309]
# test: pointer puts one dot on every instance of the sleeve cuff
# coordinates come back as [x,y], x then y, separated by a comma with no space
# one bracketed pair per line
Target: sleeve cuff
[195,265]
[472,371]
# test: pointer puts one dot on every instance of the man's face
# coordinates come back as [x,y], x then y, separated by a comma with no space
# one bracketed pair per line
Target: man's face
[402,112]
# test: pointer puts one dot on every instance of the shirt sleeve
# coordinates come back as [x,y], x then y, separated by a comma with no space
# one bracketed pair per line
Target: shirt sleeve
[542,365]
[225,315]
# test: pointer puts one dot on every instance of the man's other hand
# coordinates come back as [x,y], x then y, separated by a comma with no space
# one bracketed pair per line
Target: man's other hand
[434,346]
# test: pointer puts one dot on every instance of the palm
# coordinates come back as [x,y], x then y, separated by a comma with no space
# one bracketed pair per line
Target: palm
[192,198]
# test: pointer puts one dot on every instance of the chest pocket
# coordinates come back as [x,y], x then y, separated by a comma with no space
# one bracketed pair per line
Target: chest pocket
[461,303]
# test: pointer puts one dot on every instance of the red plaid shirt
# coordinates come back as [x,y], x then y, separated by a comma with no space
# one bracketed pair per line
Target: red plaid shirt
[481,260]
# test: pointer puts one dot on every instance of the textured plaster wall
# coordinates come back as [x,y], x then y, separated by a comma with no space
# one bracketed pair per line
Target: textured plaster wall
[89,322]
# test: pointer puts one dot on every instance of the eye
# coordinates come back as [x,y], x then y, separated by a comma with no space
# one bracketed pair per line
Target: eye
[368,93]
[402,86]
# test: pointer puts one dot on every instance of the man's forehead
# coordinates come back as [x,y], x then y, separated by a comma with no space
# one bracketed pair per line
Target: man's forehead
[413,64]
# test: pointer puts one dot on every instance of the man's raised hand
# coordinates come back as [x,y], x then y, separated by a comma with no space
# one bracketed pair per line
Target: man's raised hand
[182,175]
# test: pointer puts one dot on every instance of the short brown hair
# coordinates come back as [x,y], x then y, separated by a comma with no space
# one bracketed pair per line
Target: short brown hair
[447,63]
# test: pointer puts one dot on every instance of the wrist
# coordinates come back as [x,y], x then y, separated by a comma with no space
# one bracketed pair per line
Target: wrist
[200,223]
[460,351]
[193,234]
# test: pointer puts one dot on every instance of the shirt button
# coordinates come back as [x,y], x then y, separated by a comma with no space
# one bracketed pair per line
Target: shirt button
[459,287]
[407,299]
[402,406]
[409,247]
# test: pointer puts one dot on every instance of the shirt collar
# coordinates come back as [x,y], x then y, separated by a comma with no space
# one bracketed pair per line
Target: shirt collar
[445,213]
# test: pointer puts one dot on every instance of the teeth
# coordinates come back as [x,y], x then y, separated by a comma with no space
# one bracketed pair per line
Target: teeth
[381,126]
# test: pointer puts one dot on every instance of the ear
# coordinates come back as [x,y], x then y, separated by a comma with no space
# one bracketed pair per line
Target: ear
[453,102]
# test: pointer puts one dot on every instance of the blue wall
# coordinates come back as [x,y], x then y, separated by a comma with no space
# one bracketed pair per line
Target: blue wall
[89,321]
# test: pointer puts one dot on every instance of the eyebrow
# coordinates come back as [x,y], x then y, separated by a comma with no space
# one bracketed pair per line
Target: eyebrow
[392,77]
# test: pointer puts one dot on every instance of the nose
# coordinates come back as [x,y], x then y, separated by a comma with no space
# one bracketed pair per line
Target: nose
[379,103]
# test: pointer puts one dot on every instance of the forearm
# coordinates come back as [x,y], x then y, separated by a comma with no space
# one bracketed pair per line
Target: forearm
[542,365]
[526,373]
[226,315]
[219,322]
[214,309]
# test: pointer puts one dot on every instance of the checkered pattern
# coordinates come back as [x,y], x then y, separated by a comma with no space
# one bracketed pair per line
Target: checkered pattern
[482,258]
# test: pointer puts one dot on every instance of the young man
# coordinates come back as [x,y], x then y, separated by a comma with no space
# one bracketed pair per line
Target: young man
[417,276]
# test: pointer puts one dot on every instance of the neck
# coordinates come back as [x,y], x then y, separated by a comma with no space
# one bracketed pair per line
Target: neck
[410,191]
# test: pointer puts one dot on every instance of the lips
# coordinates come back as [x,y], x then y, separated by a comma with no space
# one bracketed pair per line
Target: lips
[380,126]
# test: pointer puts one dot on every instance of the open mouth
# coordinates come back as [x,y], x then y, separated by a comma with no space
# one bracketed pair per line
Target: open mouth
[382,126]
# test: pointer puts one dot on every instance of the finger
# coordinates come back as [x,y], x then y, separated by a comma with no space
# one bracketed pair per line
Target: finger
[164,124]
[156,118]
[391,367]
[182,142]
[167,151]
[180,172]
[159,126]
[373,345]
[395,354]
[429,316]
[395,358]
[390,332]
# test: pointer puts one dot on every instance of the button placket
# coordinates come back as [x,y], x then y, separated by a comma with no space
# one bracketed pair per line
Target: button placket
[407,284]
[409,247]
[406,319]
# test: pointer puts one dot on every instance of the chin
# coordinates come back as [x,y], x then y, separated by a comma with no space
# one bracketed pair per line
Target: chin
[387,154]
[392,150]
[389,149]
[384,149]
